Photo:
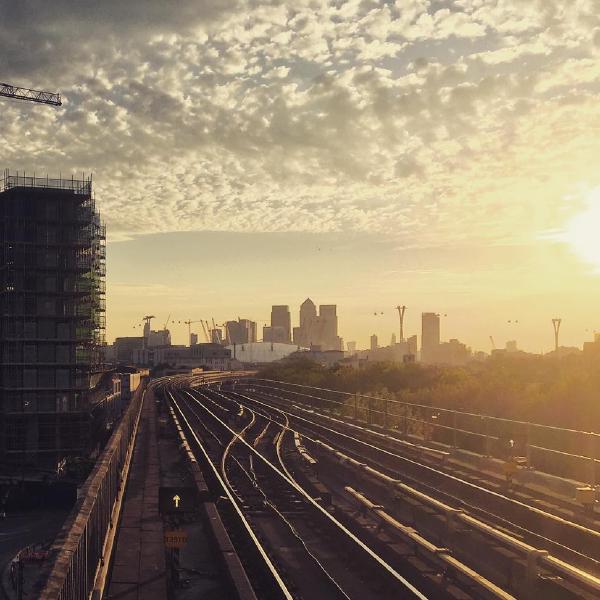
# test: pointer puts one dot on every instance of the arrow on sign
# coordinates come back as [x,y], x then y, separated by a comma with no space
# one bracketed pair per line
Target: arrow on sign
[176,499]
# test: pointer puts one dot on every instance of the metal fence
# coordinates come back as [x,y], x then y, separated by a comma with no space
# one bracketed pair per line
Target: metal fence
[79,549]
[565,453]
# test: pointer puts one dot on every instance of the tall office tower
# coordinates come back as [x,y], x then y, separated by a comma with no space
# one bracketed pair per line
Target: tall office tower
[52,267]
[281,321]
[374,342]
[351,347]
[242,331]
[328,317]
[305,335]
[411,343]
[249,328]
[308,312]
[430,336]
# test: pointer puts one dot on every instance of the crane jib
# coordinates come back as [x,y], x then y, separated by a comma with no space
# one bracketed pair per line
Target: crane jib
[20,93]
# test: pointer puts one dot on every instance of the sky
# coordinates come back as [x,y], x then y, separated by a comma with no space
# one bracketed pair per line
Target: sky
[437,154]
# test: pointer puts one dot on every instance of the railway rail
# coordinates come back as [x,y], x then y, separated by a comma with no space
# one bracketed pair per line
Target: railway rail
[562,566]
[267,500]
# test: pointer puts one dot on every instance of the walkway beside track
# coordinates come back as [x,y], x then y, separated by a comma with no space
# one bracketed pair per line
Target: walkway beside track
[139,564]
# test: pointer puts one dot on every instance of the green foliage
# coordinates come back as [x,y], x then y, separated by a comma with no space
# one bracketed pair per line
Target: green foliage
[557,391]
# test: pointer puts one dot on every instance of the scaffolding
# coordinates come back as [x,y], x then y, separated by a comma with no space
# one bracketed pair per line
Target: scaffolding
[52,316]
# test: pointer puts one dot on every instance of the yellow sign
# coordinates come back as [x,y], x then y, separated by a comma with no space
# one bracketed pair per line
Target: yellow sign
[175,539]
[176,500]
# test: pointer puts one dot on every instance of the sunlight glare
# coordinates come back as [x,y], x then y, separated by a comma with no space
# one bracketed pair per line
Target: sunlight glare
[582,231]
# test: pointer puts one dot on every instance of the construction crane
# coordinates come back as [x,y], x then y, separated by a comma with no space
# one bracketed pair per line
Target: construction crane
[20,93]
[226,332]
[205,331]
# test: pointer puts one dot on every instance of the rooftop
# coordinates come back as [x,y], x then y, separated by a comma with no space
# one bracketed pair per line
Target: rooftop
[16,180]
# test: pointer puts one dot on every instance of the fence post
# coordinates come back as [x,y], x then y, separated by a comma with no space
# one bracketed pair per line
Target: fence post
[486,429]
[385,414]
[592,454]
[454,428]
[356,406]
[528,445]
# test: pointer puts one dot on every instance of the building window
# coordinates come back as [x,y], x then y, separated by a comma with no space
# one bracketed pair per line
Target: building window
[30,378]
[62,378]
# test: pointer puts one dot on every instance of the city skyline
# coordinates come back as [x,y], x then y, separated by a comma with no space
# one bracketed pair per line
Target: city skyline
[439,154]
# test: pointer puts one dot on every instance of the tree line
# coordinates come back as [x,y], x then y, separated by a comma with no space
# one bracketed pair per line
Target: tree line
[559,391]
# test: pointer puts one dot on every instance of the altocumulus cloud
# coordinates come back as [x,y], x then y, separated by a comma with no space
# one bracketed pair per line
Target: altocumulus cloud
[429,120]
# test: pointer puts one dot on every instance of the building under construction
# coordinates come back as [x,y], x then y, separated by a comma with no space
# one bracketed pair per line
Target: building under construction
[52,317]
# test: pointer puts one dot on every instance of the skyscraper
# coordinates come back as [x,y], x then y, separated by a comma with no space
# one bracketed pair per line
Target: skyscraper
[308,312]
[281,324]
[305,335]
[430,336]
[242,331]
[52,266]
[318,331]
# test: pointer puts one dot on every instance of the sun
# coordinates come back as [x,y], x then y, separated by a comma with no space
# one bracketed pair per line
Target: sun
[582,232]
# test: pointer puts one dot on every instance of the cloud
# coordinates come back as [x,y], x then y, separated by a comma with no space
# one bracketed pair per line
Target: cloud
[460,120]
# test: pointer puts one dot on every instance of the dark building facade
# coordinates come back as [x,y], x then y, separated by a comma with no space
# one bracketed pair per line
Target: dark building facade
[52,317]
[124,347]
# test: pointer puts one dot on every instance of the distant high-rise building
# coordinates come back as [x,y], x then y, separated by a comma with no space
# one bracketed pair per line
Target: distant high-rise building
[242,331]
[52,266]
[308,312]
[275,334]
[374,342]
[329,327]
[281,318]
[193,339]
[318,330]
[306,334]
[430,336]
[411,343]
[393,341]
[351,346]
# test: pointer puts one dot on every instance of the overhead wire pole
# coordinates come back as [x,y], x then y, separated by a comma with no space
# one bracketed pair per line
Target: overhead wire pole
[556,324]
[20,93]
[401,310]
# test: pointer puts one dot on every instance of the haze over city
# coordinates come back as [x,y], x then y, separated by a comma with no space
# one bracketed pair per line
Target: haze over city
[441,155]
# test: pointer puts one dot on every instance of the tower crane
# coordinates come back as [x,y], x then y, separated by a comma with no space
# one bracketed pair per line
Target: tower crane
[204,330]
[20,93]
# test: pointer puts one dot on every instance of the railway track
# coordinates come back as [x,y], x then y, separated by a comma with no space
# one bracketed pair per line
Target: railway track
[306,549]
[574,547]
